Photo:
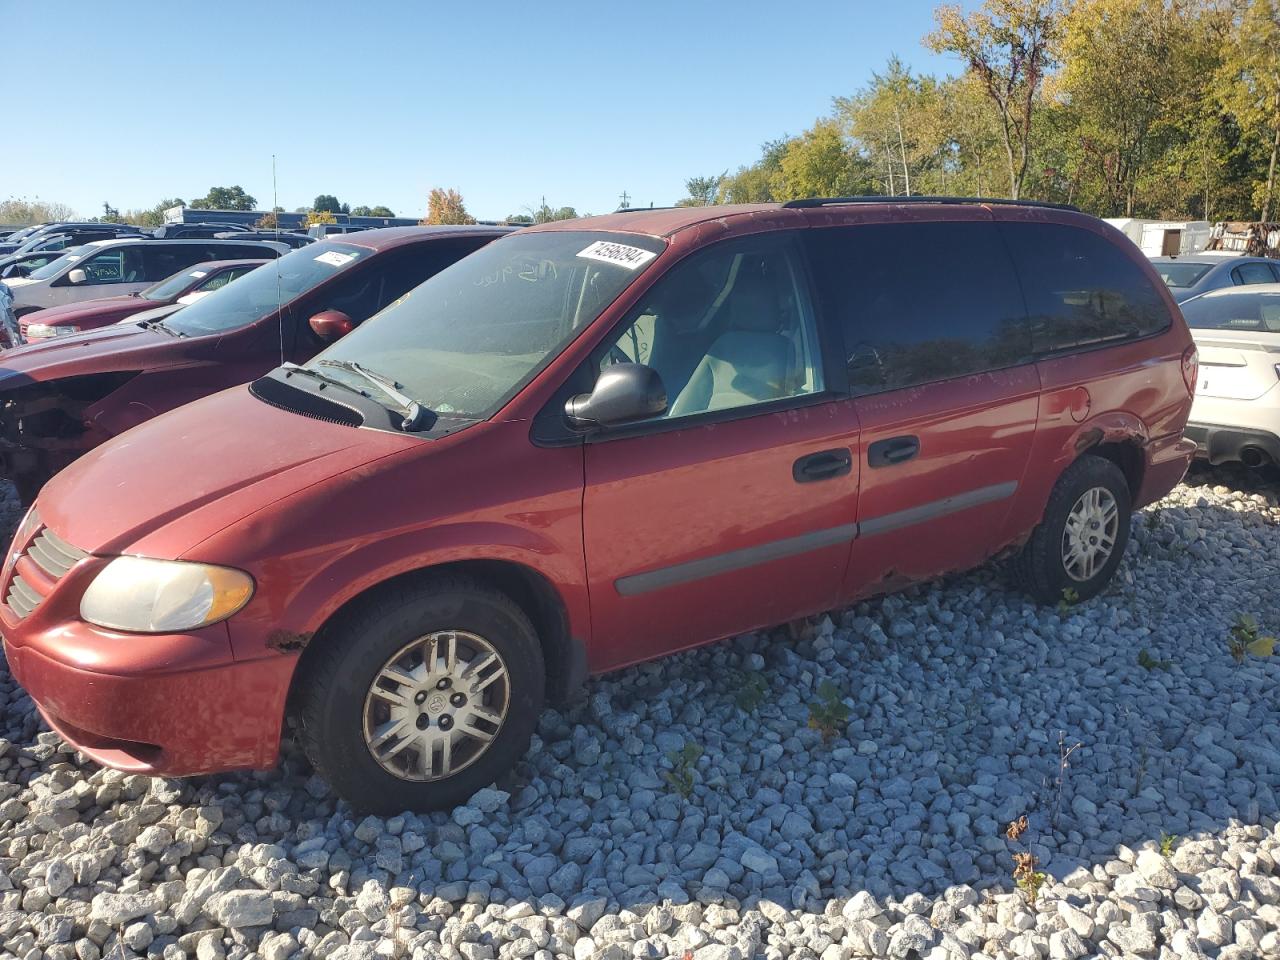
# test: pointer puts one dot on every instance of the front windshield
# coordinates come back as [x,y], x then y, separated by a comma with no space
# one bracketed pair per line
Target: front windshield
[171,287]
[261,292]
[57,266]
[1235,311]
[465,341]
[1181,274]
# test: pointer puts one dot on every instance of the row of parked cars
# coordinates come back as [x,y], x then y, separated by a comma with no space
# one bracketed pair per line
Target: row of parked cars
[404,486]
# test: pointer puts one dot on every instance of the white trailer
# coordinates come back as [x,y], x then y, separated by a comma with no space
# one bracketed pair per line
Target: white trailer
[1165,238]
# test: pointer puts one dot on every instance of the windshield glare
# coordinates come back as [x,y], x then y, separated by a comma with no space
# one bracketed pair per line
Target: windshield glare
[1235,311]
[54,268]
[465,341]
[170,287]
[259,293]
[1181,274]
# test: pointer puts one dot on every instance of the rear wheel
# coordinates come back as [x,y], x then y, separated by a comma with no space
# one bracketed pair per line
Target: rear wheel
[422,696]
[1079,544]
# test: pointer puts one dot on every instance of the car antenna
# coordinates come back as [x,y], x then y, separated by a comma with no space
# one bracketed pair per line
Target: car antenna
[275,212]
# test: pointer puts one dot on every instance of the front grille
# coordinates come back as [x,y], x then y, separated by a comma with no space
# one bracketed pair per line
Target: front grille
[54,556]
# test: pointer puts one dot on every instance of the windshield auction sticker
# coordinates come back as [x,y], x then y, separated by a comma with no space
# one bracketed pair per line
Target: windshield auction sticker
[619,254]
[334,259]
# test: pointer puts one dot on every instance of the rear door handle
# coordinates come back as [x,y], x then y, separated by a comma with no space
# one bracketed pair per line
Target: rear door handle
[825,465]
[886,453]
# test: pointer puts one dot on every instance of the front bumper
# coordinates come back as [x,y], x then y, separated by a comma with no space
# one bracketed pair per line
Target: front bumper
[159,705]
[1219,444]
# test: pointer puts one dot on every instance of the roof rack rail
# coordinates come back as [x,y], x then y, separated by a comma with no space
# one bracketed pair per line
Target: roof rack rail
[1004,201]
[673,206]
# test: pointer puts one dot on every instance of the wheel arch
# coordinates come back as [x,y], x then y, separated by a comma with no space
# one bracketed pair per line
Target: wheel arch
[564,655]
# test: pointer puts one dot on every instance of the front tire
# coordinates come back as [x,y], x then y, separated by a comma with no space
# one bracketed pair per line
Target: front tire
[421,696]
[1080,542]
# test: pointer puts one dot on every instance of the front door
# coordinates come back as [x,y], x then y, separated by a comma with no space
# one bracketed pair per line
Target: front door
[736,508]
[938,350]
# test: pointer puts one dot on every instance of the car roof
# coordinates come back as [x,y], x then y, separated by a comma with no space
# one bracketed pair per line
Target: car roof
[227,264]
[1270,288]
[1212,258]
[666,221]
[384,238]
[130,241]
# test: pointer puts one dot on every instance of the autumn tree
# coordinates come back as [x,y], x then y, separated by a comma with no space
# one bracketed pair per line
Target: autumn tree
[268,221]
[317,218]
[890,122]
[1009,45]
[754,183]
[446,206]
[819,163]
[1250,89]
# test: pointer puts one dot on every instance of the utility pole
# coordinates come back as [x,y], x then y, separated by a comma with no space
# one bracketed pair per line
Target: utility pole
[626,200]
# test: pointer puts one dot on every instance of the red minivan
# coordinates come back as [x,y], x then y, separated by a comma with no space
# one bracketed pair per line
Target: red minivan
[588,444]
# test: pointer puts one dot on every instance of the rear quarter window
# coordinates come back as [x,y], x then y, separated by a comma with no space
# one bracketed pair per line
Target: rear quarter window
[1081,289]
[918,302]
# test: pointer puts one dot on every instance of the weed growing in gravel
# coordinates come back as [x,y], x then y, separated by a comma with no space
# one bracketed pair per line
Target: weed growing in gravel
[751,692]
[1064,764]
[1245,639]
[1145,659]
[1025,875]
[1153,520]
[1069,599]
[1167,842]
[829,713]
[683,768]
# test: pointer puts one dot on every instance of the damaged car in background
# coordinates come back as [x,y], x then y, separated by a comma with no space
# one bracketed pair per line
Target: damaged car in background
[62,397]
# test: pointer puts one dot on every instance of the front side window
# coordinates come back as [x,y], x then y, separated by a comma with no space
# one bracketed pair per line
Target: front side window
[1236,311]
[1081,289]
[469,338]
[121,265]
[264,291]
[920,302]
[728,327]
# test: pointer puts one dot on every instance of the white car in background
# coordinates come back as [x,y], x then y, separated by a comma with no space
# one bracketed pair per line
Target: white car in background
[1236,414]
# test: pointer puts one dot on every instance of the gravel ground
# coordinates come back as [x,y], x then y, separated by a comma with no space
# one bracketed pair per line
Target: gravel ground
[688,807]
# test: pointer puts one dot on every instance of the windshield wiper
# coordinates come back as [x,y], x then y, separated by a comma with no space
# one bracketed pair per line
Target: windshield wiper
[415,414]
[163,327]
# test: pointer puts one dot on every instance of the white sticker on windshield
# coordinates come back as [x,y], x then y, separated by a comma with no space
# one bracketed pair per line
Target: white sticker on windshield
[617,253]
[335,259]
[199,273]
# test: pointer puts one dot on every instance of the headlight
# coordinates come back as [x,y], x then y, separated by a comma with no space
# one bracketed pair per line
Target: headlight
[160,596]
[43,331]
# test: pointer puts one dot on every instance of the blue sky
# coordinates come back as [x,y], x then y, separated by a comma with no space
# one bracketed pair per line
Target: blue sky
[377,102]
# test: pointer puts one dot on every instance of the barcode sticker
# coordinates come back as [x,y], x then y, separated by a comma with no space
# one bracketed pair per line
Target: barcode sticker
[620,254]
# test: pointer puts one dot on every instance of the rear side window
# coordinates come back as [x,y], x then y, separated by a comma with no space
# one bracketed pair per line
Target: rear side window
[918,302]
[1253,273]
[245,251]
[1080,288]
[164,261]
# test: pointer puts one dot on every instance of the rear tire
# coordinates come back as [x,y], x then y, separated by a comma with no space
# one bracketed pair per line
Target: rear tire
[421,696]
[1080,542]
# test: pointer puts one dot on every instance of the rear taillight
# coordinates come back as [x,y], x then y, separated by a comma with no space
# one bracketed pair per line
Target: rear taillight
[1191,368]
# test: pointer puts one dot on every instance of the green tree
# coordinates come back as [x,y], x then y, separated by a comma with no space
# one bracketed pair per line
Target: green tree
[21,212]
[702,191]
[446,206]
[326,201]
[225,198]
[1250,89]
[819,163]
[754,183]
[1009,45]
[891,122]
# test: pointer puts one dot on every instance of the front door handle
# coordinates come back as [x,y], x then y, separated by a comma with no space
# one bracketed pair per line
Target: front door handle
[825,465]
[886,453]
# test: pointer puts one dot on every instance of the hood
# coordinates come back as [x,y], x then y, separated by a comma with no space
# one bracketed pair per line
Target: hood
[84,309]
[109,349]
[171,483]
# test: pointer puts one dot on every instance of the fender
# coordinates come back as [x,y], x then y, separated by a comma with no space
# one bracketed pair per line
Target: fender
[314,594]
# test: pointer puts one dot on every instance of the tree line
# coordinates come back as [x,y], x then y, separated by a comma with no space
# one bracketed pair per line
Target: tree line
[1145,108]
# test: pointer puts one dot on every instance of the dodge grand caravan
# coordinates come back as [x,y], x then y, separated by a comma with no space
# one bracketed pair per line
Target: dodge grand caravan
[588,444]
[63,396]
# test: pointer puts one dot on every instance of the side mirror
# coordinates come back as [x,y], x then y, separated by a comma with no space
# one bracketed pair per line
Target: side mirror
[330,325]
[77,276]
[623,393]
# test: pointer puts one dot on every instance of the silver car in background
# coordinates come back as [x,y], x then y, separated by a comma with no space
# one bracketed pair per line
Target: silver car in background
[1236,413]
[1188,277]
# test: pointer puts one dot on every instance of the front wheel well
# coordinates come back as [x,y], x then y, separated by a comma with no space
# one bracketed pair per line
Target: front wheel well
[564,657]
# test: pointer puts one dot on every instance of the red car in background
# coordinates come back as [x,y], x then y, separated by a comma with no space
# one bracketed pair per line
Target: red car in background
[588,444]
[191,283]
